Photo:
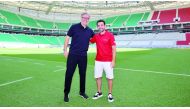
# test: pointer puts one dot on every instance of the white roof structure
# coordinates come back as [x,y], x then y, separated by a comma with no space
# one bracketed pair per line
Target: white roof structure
[97,9]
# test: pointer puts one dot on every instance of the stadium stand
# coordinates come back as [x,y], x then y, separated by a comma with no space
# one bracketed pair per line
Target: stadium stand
[27,40]
[155,15]
[167,16]
[134,34]
[150,40]
[186,41]
[183,14]
[7,18]
[110,20]
[29,21]
[123,20]
[134,19]
[120,21]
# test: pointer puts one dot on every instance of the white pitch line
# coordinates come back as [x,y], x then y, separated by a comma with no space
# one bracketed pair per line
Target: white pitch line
[9,59]
[153,72]
[60,66]
[21,61]
[58,70]
[15,81]
[39,63]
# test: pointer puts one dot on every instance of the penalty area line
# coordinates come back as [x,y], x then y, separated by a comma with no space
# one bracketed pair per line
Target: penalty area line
[19,80]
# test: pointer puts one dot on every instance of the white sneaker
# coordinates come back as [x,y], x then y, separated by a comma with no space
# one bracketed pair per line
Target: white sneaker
[110,98]
[97,95]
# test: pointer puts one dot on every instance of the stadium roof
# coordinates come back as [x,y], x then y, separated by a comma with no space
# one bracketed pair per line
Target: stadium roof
[98,9]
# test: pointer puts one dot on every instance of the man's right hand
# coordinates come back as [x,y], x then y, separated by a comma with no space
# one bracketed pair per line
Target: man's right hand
[66,54]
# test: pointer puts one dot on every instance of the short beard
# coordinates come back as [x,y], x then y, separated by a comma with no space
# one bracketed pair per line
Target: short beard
[101,30]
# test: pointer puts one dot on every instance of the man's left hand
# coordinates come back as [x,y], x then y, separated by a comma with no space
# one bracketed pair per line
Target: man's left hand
[112,64]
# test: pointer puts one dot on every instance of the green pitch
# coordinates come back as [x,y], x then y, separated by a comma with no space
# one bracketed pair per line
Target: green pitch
[143,77]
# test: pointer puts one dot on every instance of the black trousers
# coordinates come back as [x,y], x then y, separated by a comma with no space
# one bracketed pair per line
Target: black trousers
[72,62]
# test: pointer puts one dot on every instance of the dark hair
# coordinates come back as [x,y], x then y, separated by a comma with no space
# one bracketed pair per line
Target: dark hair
[100,21]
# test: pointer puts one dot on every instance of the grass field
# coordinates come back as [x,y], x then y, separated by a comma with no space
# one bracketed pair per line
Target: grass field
[143,77]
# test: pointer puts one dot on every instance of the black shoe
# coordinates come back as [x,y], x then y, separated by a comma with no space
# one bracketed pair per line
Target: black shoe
[97,95]
[83,95]
[110,98]
[66,98]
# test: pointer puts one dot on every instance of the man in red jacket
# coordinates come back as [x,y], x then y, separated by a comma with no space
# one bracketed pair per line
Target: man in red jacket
[105,58]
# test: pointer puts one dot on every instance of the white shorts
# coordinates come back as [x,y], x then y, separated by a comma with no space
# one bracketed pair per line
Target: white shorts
[103,66]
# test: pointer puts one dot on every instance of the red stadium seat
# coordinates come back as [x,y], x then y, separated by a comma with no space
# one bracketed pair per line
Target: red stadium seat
[185,42]
[167,16]
[184,14]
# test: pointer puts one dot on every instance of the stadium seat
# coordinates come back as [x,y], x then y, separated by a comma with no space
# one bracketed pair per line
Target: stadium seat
[155,15]
[186,41]
[184,14]
[167,16]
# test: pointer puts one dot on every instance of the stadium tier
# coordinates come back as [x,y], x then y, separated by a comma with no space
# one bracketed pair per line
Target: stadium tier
[150,40]
[117,21]
[128,20]
[120,21]
[145,16]
[123,20]
[155,15]
[169,16]
[134,19]
[184,14]
[110,20]
[174,39]
[11,18]
[30,39]
[160,40]
[186,41]
[20,20]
